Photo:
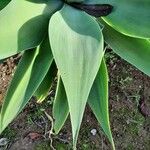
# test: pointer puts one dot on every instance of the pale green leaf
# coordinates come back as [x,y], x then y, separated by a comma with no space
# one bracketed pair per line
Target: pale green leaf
[98,100]
[135,51]
[131,17]
[60,107]
[30,72]
[78,56]
[23,25]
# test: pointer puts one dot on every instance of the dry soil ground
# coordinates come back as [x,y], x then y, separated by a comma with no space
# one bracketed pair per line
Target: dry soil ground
[129,114]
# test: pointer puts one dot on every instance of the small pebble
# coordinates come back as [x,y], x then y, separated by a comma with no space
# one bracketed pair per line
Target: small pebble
[93,132]
[3,141]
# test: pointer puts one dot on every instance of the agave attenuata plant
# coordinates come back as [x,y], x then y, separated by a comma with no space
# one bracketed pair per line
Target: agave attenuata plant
[69,35]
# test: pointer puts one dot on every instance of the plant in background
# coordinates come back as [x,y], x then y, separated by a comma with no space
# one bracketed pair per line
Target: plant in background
[68,35]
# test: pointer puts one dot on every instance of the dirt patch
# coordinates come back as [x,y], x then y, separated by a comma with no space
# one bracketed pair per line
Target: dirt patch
[6,72]
[128,86]
[130,127]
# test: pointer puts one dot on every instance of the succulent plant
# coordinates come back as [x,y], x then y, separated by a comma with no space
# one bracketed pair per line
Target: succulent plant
[66,38]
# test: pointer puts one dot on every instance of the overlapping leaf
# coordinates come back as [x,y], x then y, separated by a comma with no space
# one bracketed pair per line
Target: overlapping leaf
[135,51]
[23,25]
[42,91]
[60,107]
[98,100]
[78,56]
[129,17]
[29,74]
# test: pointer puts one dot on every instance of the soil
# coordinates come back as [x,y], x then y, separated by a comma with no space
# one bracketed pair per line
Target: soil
[129,114]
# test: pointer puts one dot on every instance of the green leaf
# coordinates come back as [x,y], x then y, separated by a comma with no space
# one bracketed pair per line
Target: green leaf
[76,1]
[3,3]
[128,17]
[60,107]
[78,56]
[135,51]
[29,74]
[98,100]
[42,91]
[23,25]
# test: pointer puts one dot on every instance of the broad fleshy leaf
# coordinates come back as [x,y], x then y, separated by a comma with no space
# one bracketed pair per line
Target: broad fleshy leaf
[60,107]
[42,91]
[135,51]
[23,25]
[128,17]
[98,100]
[78,56]
[30,72]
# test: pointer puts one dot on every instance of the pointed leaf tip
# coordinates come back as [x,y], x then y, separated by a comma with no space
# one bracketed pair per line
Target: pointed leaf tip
[60,106]
[98,101]
[29,74]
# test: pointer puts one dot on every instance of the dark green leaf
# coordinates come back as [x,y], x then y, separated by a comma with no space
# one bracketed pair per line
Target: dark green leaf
[131,17]
[29,74]
[3,3]
[42,91]
[135,51]
[60,107]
